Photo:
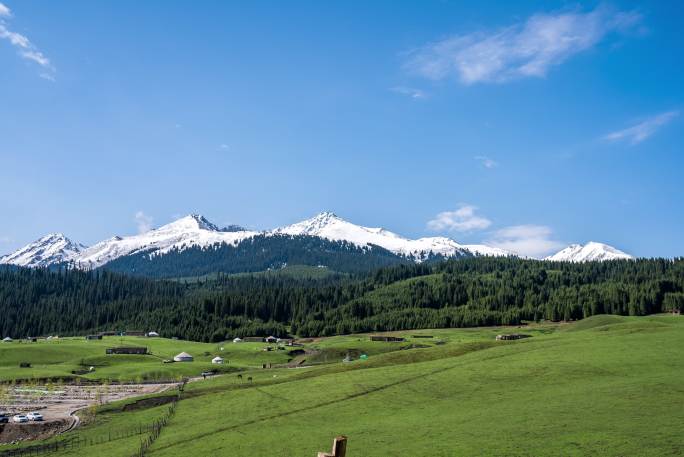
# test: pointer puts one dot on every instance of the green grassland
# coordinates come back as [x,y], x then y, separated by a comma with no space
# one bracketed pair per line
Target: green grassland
[604,386]
[57,358]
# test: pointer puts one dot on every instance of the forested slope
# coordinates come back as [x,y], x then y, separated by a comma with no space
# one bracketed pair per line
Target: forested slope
[259,253]
[455,293]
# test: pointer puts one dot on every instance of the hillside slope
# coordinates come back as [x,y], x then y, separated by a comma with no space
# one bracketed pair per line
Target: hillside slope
[458,293]
[612,391]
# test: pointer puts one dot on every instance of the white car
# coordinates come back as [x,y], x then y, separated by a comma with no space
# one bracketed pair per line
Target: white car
[20,418]
[34,416]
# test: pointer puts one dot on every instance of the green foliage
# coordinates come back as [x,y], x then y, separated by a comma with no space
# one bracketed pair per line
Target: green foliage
[259,253]
[610,389]
[457,293]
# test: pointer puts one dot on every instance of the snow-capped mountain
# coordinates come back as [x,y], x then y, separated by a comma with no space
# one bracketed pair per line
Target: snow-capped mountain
[329,226]
[196,231]
[588,252]
[192,230]
[48,250]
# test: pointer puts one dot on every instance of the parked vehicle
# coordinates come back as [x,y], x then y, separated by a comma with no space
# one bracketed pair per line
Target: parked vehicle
[34,416]
[19,418]
[4,418]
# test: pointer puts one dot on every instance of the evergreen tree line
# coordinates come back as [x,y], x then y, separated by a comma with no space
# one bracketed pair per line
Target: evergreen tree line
[455,293]
[257,254]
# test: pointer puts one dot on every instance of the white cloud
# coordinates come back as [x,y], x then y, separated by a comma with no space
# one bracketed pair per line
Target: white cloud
[643,130]
[224,146]
[5,239]
[409,92]
[526,49]
[25,48]
[487,162]
[143,221]
[527,240]
[463,219]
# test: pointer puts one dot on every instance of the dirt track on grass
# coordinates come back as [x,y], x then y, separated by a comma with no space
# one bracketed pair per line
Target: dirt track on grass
[60,406]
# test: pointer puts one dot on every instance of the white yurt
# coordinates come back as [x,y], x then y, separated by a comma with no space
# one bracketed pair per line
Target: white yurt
[237,340]
[152,334]
[217,360]
[183,357]
[7,339]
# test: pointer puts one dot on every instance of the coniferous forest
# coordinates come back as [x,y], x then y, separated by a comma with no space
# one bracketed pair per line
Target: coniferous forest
[455,293]
[257,254]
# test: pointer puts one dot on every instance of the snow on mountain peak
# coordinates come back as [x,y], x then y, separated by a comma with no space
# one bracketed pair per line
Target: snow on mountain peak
[330,226]
[592,251]
[195,230]
[189,231]
[48,250]
[190,222]
[313,226]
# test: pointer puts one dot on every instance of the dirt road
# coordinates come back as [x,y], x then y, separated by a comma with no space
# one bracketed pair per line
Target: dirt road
[59,406]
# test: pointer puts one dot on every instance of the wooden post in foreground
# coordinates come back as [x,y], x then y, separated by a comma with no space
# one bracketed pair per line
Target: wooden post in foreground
[339,448]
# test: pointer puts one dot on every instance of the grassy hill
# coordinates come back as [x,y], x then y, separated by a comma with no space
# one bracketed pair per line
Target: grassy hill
[58,358]
[604,386]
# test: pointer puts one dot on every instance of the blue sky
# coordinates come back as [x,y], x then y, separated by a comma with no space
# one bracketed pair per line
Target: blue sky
[527,125]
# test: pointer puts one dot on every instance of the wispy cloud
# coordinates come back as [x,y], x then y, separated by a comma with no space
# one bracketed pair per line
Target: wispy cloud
[463,219]
[487,162]
[526,49]
[416,94]
[143,221]
[643,130]
[224,146]
[25,48]
[527,240]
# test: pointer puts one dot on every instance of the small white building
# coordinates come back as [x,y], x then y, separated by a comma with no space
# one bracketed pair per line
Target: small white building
[217,360]
[7,339]
[237,340]
[152,334]
[183,357]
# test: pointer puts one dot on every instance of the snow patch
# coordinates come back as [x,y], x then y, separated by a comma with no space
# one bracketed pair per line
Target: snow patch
[592,251]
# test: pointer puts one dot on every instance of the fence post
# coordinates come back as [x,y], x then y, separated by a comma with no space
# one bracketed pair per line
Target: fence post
[339,448]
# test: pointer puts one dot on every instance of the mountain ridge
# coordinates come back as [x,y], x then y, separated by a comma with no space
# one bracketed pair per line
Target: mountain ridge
[196,231]
[48,250]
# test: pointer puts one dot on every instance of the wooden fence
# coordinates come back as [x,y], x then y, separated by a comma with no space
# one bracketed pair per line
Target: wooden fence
[157,427]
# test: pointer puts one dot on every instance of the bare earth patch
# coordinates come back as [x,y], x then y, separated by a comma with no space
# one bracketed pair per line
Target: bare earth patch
[59,405]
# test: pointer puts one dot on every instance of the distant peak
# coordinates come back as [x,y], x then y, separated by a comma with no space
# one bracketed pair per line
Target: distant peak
[326,215]
[54,236]
[192,221]
[590,251]
[204,223]
[49,249]
[596,243]
[58,238]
